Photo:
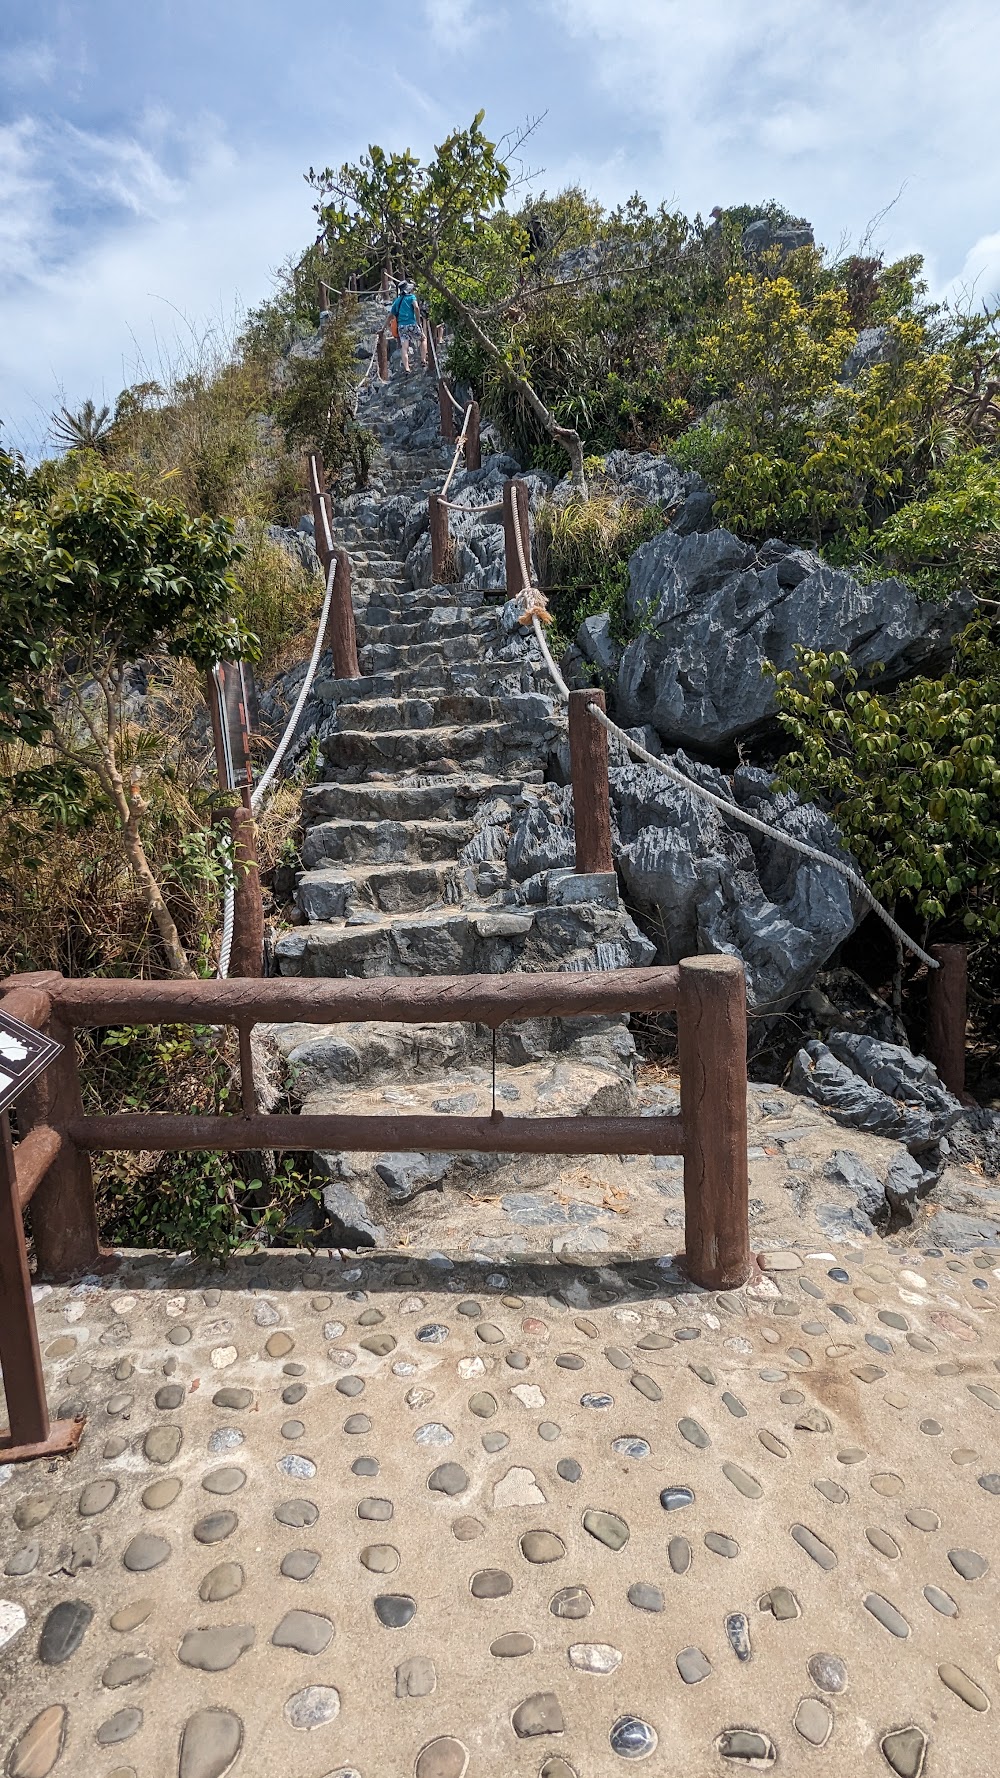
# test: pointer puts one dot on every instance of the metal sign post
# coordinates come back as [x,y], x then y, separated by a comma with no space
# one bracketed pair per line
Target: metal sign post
[24,1054]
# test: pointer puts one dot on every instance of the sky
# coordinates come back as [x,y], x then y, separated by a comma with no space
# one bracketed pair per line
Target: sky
[152,157]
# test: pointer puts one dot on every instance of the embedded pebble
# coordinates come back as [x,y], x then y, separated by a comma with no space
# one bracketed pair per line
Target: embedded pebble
[63,1631]
[630,1447]
[491,1583]
[905,1751]
[380,1558]
[569,1469]
[299,1513]
[645,1597]
[448,1478]
[721,1545]
[941,1601]
[743,1481]
[433,1433]
[394,1610]
[542,1546]
[224,1481]
[886,1614]
[162,1444]
[13,1619]
[814,1721]
[96,1497]
[747,1746]
[963,1687]
[443,1758]
[607,1527]
[570,1602]
[594,1657]
[300,1564]
[513,1645]
[214,1527]
[296,1467]
[968,1563]
[828,1672]
[39,1747]
[125,1670]
[675,1497]
[541,1714]
[814,1546]
[693,1665]
[217,1649]
[632,1738]
[145,1552]
[312,1707]
[738,1634]
[679,1554]
[308,1632]
[120,1727]
[221,1583]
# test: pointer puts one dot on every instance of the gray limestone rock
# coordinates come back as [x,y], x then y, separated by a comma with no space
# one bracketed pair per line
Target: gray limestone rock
[715,610]
[703,883]
[876,1086]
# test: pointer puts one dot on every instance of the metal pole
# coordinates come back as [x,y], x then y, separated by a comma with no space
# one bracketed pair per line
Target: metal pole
[712,1038]
[947,1013]
[588,748]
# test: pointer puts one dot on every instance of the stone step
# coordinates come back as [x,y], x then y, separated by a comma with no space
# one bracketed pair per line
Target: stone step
[454,799]
[384,842]
[466,941]
[408,750]
[444,622]
[433,677]
[449,709]
[409,604]
[382,657]
[338,892]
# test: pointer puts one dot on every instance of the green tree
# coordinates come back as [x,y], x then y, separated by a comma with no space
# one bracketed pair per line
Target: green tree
[92,578]
[911,777]
[445,221]
[88,429]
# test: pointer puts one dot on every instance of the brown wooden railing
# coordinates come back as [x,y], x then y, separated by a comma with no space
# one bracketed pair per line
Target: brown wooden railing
[50,1167]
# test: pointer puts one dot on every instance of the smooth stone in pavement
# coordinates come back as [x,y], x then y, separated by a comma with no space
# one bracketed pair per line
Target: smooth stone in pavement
[941,1601]
[216,1650]
[645,1597]
[607,1527]
[224,1481]
[569,1469]
[594,1657]
[963,1687]
[131,1616]
[221,1583]
[541,1714]
[491,1583]
[380,1558]
[416,1678]
[120,1727]
[145,1552]
[448,1478]
[632,1738]
[234,1399]
[297,1513]
[828,1672]
[125,1670]
[542,1546]
[374,1510]
[515,1643]
[814,1721]
[162,1444]
[679,1554]
[210,1743]
[170,1396]
[63,1631]
[161,1494]
[443,1758]
[306,1631]
[300,1564]
[25,1560]
[41,1744]
[96,1497]
[394,1610]
[886,1614]
[214,1527]
[738,1634]
[968,1563]
[569,1602]
[905,1751]
[746,1745]
[673,1498]
[693,1665]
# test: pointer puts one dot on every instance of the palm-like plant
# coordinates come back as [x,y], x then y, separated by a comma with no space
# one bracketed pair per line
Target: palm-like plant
[89,429]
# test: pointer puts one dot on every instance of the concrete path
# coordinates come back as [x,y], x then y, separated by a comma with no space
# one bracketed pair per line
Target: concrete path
[341,1517]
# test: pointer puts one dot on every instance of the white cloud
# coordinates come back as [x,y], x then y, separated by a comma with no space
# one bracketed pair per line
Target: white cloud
[978,281]
[454,24]
[28,64]
[88,310]
[828,105]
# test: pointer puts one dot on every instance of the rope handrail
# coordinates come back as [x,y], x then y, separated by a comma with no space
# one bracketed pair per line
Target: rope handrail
[732,810]
[257,794]
[458,452]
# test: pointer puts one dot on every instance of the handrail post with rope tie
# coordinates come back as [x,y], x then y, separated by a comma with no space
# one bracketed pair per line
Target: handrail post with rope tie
[438,507]
[340,637]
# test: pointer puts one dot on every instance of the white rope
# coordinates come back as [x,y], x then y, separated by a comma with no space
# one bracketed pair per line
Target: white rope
[283,745]
[732,810]
[458,452]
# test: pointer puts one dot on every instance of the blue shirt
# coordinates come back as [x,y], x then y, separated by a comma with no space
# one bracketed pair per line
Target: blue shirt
[405,310]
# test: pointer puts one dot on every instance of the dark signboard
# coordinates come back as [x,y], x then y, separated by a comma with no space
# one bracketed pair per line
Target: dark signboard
[24,1053]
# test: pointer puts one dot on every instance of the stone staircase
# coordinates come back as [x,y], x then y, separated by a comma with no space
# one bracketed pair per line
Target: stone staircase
[449,734]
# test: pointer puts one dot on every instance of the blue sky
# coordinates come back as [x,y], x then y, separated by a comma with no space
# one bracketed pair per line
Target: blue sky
[151,157]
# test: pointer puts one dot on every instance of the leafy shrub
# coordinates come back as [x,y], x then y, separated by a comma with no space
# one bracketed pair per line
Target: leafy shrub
[911,777]
[950,537]
[584,549]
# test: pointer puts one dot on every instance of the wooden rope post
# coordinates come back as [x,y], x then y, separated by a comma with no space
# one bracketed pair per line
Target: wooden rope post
[30,1432]
[515,512]
[385,281]
[382,356]
[63,1217]
[246,957]
[947,1012]
[440,538]
[446,411]
[712,1034]
[473,449]
[588,748]
[341,637]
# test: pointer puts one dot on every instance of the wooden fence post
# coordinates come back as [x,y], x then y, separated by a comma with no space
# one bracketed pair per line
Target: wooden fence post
[385,281]
[341,637]
[29,1430]
[515,512]
[382,356]
[947,1011]
[246,956]
[446,411]
[588,748]
[440,539]
[473,449]
[712,1038]
[63,1216]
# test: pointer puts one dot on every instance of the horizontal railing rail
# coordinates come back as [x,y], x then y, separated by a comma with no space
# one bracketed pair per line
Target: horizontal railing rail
[50,1167]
